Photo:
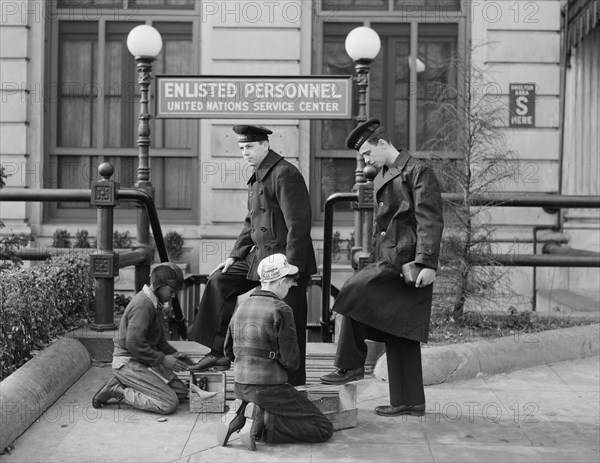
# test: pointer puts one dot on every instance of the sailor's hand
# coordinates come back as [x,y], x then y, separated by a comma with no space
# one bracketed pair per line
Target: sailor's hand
[223,265]
[426,277]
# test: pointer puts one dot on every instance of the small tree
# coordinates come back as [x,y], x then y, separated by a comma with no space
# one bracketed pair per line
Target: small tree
[469,120]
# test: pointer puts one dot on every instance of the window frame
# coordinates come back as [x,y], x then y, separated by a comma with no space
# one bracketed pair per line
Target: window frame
[368,18]
[51,212]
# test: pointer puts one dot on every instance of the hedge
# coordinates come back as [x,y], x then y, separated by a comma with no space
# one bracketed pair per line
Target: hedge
[39,304]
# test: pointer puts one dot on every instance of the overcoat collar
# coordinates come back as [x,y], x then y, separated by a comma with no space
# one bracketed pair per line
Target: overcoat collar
[391,173]
[265,166]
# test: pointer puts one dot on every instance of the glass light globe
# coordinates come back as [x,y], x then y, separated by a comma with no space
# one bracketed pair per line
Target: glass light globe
[362,43]
[144,41]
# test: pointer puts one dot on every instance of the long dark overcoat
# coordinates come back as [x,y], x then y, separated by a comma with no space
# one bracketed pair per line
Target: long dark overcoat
[278,219]
[408,226]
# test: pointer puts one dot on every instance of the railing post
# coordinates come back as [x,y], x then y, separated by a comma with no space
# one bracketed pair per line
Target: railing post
[105,262]
[361,255]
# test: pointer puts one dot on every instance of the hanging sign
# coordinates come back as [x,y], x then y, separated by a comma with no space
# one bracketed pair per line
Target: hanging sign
[521,105]
[214,97]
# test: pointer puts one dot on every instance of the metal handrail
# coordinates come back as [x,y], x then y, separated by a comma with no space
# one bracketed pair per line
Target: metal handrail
[549,202]
[81,195]
[327,246]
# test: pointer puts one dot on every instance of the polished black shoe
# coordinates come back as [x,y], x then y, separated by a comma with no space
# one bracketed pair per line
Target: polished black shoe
[391,410]
[224,431]
[255,425]
[211,361]
[343,376]
[113,389]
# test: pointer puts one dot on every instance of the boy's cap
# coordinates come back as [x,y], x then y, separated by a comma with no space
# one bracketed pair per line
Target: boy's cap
[361,133]
[249,133]
[273,267]
[167,273]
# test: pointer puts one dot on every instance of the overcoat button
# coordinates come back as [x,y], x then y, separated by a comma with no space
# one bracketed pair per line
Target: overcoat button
[264,229]
[250,211]
[250,194]
[260,191]
[381,204]
[383,233]
[263,210]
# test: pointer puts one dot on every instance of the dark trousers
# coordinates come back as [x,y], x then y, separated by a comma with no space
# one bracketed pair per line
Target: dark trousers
[218,304]
[403,360]
[291,416]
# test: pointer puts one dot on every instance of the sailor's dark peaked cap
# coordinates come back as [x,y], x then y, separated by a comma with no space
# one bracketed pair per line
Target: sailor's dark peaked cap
[361,133]
[248,133]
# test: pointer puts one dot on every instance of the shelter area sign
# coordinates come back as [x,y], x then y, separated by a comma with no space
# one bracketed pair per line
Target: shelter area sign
[214,97]
[521,105]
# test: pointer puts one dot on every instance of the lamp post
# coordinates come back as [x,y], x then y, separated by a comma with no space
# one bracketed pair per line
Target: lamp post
[362,45]
[144,43]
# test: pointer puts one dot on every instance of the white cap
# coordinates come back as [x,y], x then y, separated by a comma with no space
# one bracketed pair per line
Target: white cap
[273,267]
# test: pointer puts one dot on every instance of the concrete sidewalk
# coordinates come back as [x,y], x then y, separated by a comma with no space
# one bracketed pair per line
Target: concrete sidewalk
[547,413]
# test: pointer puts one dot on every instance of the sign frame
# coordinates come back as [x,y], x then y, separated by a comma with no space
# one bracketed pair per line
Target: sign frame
[219,85]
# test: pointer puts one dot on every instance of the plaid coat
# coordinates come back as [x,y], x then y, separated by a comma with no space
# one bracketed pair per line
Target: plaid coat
[261,340]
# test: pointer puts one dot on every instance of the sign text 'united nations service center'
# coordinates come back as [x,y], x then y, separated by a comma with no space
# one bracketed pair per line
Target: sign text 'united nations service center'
[322,97]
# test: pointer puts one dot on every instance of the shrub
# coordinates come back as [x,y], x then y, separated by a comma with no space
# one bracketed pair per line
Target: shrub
[81,239]
[9,246]
[40,303]
[121,240]
[61,238]
[174,244]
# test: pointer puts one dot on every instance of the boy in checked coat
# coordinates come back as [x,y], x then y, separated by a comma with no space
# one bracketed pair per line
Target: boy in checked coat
[261,340]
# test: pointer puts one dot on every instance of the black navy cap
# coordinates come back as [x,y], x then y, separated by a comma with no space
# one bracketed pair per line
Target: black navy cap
[248,133]
[361,133]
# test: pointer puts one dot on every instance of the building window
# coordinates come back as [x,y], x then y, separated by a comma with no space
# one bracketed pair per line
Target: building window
[97,105]
[404,99]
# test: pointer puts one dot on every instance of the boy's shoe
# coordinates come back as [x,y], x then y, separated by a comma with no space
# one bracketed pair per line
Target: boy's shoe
[231,425]
[112,389]
[255,425]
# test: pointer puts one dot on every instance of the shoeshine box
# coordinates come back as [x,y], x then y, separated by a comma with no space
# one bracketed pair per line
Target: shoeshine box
[337,403]
[207,392]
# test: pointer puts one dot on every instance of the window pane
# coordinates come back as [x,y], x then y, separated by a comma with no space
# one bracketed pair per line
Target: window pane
[337,62]
[336,175]
[401,48]
[435,72]
[77,89]
[175,58]
[74,172]
[126,4]
[120,80]
[426,5]
[337,5]
[172,181]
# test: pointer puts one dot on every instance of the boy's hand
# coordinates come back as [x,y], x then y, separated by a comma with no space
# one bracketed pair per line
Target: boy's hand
[173,363]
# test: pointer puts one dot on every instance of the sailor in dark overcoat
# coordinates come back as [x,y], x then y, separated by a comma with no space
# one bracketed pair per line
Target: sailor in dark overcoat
[376,302]
[278,221]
